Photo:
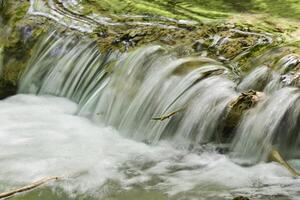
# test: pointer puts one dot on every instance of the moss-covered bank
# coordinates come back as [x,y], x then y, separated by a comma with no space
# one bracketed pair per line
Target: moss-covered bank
[18,35]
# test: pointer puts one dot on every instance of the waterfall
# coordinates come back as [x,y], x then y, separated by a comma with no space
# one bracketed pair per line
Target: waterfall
[257,79]
[273,122]
[151,94]
[149,100]
[65,67]
[128,90]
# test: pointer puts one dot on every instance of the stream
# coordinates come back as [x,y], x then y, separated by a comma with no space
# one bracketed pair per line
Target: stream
[42,136]
[99,135]
[152,122]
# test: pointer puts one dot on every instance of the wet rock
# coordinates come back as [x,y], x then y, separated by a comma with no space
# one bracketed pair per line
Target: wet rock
[288,63]
[291,65]
[1,59]
[168,40]
[18,35]
[199,45]
[26,32]
[240,105]
[282,59]
[3,4]
[291,79]
[7,89]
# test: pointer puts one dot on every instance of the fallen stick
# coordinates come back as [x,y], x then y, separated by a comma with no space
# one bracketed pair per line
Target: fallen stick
[167,116]
[277,157]
[27,187]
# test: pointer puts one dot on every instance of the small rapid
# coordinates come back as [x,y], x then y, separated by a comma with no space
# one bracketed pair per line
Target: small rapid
[127,91]
[274,122]
[151,94]
[150,120]
[97,162]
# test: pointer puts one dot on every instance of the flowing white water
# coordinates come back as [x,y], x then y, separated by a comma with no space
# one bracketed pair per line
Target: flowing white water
[127,91]
[42,136]
[125,102]
[273,122]
[257,79]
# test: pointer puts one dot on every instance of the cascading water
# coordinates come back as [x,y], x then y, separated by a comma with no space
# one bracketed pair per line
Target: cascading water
[274,121]
[257,79]
[127,91]
[143,85]
[149,96]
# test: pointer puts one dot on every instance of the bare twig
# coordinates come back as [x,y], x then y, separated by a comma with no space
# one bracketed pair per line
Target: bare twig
[27,187]
[167,116]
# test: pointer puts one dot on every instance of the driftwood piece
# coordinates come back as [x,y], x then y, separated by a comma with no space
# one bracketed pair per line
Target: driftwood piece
[167,116]
[31,186]
[276,157]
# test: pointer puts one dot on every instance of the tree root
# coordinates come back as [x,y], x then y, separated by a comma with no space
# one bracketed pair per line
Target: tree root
[31,186]
[276,157]
[167,116]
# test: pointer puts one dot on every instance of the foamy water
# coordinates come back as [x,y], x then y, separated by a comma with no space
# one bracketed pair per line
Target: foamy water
[42,136]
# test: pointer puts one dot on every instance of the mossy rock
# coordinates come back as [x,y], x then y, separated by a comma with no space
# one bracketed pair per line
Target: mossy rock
[18,35]
[268,55]
[7,89]
[239,106]
[292,66]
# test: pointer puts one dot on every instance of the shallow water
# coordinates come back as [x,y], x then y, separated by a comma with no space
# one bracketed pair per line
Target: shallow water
[42,136]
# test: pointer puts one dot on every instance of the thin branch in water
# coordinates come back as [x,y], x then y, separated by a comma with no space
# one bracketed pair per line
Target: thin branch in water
[31,186]
[167,116]
[277,157]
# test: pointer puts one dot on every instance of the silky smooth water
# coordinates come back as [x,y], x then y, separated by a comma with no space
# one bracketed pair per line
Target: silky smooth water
[146,123]
[274,122]
[42,136]
[128,90]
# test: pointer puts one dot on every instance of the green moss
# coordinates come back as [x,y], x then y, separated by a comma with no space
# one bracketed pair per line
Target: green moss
[18,34]
[3,4]
[197,9]
[156,8]
[6,89]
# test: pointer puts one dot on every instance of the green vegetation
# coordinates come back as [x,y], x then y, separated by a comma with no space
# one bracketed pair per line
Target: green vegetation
[196,9]
[18,34]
